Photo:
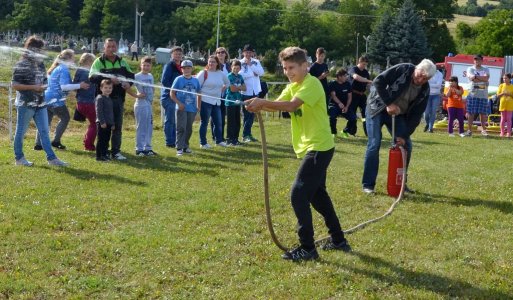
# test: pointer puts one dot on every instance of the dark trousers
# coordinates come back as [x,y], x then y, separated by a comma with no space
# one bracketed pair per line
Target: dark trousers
[135,54]
[334,112]
[359,101]
[249,117]
[233,123]
[309,188]
[118,109]
[102,142]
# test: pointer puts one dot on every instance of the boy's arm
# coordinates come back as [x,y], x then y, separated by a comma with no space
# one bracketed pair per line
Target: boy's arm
[258,104]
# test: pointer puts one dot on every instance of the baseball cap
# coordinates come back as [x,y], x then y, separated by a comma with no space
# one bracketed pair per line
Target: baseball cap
[186,63]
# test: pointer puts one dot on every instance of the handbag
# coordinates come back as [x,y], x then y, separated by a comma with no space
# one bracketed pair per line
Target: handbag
[77,116]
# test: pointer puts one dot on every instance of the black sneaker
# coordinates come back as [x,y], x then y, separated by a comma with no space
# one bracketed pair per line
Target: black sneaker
[300,254]
[342,246]
[171,146]
[58,145]
[151,153]
[102,158]
[408,190]
[38,147]
[140,153]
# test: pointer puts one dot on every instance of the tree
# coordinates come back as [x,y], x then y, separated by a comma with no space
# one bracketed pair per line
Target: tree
[408,39]
[379,44]
[91,17]
[494,36]
[297,24]
[118,17]
[434,16]
[41,16]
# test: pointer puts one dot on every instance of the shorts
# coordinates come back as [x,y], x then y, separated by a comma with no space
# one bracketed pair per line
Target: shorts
[478,105]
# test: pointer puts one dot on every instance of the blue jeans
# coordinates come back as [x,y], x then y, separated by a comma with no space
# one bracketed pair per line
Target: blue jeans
[169,108]
[430,113]
[248,119]
[374,126]
[207,111]
[40,116]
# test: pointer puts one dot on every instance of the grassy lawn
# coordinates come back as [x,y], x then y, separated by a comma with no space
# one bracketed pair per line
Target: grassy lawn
[194,227]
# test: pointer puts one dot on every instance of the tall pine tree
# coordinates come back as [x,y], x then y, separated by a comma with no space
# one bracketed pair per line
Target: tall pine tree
[379,43]
[407,39]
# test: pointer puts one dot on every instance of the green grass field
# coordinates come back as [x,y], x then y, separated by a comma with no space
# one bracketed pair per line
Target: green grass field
[194,227]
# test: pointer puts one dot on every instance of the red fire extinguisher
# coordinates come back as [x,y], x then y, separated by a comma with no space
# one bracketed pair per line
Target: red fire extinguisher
[396,168]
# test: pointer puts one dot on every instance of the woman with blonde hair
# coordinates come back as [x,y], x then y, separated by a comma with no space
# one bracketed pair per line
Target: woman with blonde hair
[59,84]
[85,99]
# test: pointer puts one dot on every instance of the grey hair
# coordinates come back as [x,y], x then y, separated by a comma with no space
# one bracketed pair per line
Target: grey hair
[427,67]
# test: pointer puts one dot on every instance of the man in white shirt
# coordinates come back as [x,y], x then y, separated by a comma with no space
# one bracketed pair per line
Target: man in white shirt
[134,51]
[251,71]
[435,91]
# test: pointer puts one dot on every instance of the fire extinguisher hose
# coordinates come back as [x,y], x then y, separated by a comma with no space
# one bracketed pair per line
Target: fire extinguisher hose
[268,206]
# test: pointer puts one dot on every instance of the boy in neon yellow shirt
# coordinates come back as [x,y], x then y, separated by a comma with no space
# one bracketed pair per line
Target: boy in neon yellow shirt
[304,97]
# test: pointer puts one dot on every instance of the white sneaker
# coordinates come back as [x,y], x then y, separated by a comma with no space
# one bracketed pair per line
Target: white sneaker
[484,133]
[57,162]
[368,191]
[451,134]
[118,156]
[206,146]
[187,150]
[23,162]
[222,144]
[462,135]
[179,152]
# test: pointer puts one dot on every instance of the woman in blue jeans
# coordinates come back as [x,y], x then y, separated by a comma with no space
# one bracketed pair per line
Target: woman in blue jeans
[212,82]
[29,80]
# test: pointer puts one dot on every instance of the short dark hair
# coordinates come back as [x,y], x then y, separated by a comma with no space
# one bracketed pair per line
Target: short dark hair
[363,58]
[236,62]
[320,50]
[341,72]
[105,82]
[294,54]
[34,42]
[109,40]
[454,79]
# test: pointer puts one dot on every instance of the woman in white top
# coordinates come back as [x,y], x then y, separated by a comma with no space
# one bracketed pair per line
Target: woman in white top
[212,82]
[224,62]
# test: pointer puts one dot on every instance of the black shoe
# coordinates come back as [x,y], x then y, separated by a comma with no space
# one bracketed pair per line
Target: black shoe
[58,145]
[408,190]
[342,246]
[102,158]
[171,146]
[38,147]
[430,130]
[300,254]
[151,153]
[140,153]
[426,128]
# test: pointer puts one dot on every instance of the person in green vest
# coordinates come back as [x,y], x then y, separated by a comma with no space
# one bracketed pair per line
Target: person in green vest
[110,66]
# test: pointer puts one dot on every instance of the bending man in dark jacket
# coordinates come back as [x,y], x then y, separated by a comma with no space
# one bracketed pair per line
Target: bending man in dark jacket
[401,91]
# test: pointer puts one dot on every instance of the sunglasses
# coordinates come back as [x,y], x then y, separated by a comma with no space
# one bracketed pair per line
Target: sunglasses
[221,52]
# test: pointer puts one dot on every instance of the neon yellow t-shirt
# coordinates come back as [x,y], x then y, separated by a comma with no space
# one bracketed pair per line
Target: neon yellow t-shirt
[310,124]
[506,103]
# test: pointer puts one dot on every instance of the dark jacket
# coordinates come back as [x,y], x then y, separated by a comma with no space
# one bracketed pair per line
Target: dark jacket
[169,75]
[389,85]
